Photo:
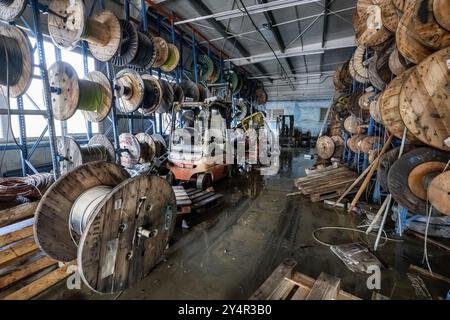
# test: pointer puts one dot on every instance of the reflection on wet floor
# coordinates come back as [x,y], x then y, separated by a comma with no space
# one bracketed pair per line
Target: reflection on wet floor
[230,250]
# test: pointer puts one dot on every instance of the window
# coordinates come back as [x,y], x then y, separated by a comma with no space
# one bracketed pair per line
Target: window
[34,97]
[323,113]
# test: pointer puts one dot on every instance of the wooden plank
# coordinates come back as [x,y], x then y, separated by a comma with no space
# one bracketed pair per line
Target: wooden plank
[17,213]
[18,249]
[308,282]
[40,285]
[429,274]
[430,241]
[284,270]
[197,195]
[25,271]
[326,287]
[16,236]
[207,201]
[283,290]
[332,186]
[203,197]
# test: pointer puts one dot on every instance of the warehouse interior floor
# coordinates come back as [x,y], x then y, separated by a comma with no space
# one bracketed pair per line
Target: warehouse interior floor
[229,251]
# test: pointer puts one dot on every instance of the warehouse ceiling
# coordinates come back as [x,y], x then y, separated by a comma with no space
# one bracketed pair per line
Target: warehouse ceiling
[309,38]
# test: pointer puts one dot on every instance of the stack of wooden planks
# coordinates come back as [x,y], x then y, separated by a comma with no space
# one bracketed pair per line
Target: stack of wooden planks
[326,184]
[287,284]
[25,271]
[192,199]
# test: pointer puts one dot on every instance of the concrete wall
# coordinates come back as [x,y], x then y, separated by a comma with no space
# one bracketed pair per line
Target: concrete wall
[306,113]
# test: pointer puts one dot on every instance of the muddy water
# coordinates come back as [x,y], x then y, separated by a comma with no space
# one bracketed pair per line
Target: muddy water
[230,250]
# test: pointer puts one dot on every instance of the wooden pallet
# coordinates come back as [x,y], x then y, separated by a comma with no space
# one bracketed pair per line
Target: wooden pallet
[193,199]
[287,284]
[326,184]
[25,271]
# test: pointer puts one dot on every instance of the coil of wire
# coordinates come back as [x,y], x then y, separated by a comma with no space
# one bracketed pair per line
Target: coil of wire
[31,187]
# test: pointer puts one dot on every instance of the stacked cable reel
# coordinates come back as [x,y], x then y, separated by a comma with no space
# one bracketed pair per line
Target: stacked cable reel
[72,155]
[116,227]
[143,92]
[91,95]
[10,10]
[103,32]
[194,92]
[16,55]
[140,148]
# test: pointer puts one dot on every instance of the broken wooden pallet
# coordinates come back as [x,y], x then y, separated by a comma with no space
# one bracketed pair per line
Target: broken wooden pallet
[326,184]
[184,203]
[287,284]
[25,271]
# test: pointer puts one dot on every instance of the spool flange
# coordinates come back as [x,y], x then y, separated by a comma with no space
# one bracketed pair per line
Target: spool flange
[400,179]
[52,217]
[167,97]
[149,109]
[131,156]
[66,33]
[129,232]
[162,52]
[12,11]
[22,85]
[172,60]
[66,97]
[325,147]
[129,90]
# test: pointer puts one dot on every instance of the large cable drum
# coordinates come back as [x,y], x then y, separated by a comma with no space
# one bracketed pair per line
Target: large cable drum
[116,227]
[425,100]
[409,177]
[10,10]
[205,67]
[439,192]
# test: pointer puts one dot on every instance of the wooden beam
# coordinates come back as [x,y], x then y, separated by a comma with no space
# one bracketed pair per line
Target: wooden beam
[284,270]
[16,236]
[17,213]
[17,250]
[25,271]
[33,289]
[326,287]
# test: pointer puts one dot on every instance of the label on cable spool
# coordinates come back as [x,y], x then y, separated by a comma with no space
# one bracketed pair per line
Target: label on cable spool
[447,142]
[369,89]
[118,204]
[448,64]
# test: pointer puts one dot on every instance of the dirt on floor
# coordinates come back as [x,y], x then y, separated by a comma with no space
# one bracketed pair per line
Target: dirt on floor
[228,251]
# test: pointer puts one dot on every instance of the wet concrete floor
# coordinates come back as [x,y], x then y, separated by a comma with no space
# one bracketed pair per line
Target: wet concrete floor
[230,250]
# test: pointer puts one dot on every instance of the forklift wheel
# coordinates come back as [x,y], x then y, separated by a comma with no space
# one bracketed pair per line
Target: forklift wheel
[204,181]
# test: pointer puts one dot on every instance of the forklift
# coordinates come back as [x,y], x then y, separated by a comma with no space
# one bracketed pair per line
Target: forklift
[198,142]
[285,126]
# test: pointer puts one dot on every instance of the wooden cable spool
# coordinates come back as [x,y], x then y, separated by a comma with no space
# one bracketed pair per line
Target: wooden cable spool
[410,175]
[216,75]
[16,56]
[408,41]
[397,63]
[99,148]
[261,96]
[141,148]
[339,145]
[441,10]
[191,91]
[390,109]
[178,93]
[153,94]
[427,28]
[91,95]
[369,143]
[389,15]
[379,73]
[425,100]
[325,147]
[162,52]
[116,227]
[102,32]
[129,89]
[357,66]
[355,109]
[364,100]
[386,161]
[10,10]
[439,192]
[400,5]
[167,97]
[173,58]
[372,32]
[375,109]
[353,125]
[354,143]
